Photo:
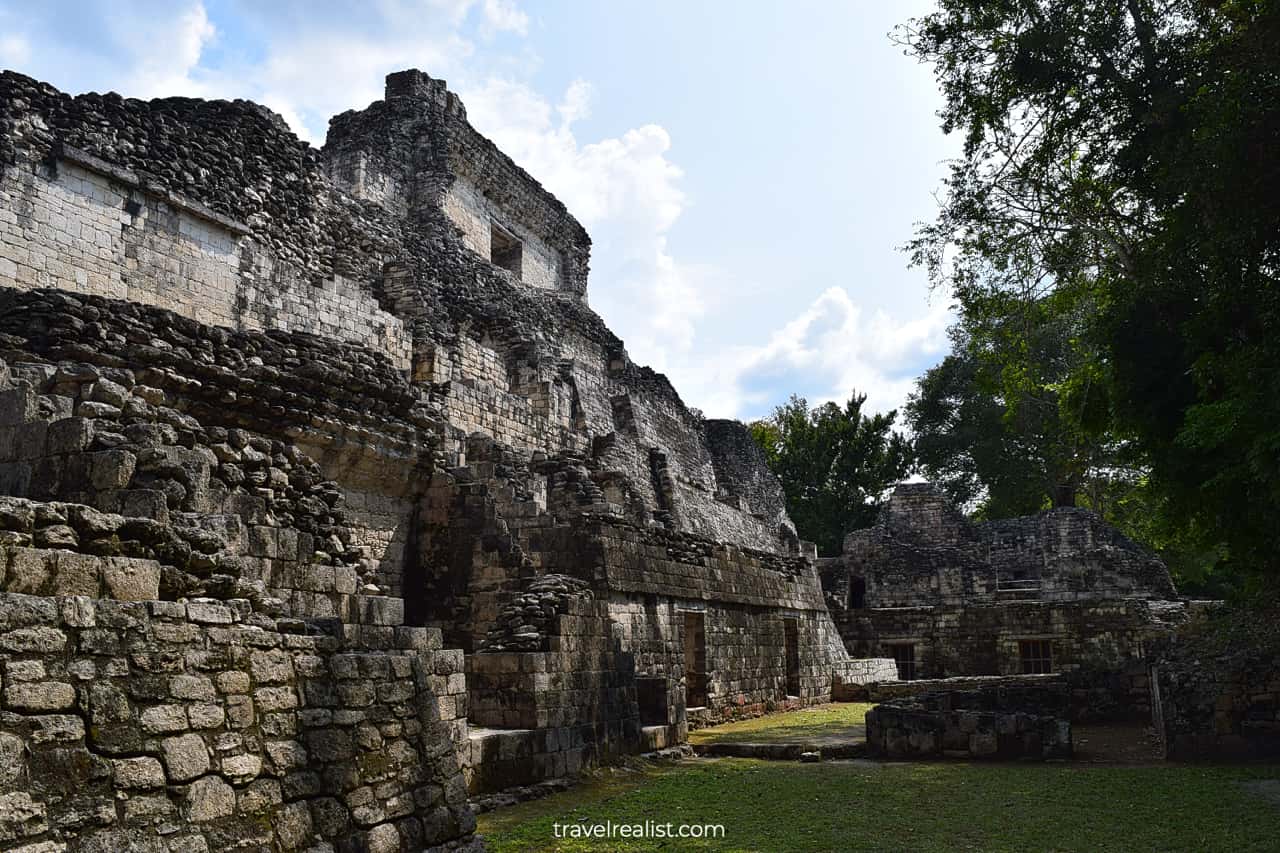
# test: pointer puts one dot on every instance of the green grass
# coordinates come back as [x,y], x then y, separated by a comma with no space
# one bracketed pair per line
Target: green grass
[818,721]
[777,806]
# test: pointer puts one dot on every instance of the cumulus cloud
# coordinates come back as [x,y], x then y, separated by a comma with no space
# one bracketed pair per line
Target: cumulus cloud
[168,70]
[504,16]
[827,351]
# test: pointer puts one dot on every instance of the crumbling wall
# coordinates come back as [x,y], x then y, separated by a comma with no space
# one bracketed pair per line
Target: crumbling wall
[110,197]
[1218,684]
[273,393]
[962,598]
[215,210]
[975,639]
[1006,722]
[197,726]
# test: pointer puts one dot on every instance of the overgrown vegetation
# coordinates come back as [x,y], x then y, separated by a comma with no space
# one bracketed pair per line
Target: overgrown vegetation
[781,806]
[835,465]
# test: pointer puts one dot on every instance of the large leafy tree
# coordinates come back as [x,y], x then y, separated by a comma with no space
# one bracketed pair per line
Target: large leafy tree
[1123,151]
[835,464]
[999,424]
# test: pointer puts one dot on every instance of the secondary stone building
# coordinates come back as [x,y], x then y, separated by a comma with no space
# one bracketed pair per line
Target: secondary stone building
[945,596]
[326,499]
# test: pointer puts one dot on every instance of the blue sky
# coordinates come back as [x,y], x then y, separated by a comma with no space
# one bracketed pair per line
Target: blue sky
[747,170]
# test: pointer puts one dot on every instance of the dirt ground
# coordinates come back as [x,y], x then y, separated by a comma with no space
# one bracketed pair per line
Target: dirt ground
[1115,744]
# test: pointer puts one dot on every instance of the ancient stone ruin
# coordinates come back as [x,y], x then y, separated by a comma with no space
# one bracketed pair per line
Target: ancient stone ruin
[948,597]
[326,501]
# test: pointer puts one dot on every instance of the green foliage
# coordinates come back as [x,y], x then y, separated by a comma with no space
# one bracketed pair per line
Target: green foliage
[835,464]
[1011,422]
[1119,165]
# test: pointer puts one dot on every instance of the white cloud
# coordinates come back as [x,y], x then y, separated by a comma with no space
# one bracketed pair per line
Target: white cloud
[14,51]
[504,16]
[576,103]
[829,350]
[166,51]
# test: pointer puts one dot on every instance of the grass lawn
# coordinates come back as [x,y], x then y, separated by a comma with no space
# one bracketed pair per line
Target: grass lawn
[779,806]
[819,721]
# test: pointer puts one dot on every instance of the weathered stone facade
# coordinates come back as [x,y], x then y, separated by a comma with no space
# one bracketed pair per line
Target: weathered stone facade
[1217,684]
[1006,722]
[324,497]
[1054,592]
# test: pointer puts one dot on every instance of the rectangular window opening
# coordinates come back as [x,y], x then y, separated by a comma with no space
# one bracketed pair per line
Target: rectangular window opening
[505,249]
[791,636]
[695,660]
[904,655]
[1036,656]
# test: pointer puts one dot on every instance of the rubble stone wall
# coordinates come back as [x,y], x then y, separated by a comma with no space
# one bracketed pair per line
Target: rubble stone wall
[923,552]
[1019,721]
[1218,684]
[171,726]
[984,639]
[966,596]
[83,226]
[276,387]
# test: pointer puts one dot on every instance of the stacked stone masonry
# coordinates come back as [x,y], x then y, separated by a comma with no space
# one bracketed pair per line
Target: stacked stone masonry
[1056,592]
[325,490]
[172,726]
[1008,722]
[325,499]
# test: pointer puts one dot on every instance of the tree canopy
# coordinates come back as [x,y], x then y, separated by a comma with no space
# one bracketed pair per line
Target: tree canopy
[835,465]
[999,424]
[1119,170]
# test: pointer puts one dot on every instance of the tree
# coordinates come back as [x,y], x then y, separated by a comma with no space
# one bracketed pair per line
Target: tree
[1004,424]
[1122,152]
[835,465]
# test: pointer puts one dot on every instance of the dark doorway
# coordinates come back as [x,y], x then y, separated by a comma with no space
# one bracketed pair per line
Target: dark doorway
[904,655]
[791,633]
[695,660]
[651,697]
[858,594]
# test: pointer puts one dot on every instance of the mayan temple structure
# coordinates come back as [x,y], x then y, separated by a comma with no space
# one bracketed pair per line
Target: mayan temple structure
[325,499]
[328,505]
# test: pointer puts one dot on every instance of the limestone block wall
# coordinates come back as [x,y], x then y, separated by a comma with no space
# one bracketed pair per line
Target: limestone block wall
[170,435]
[742,472]
[363,174]
[1119,693]
[1217,684]
[175,726]
[744,599]
[922,551]
[352,243]
[416,149]
[1025,722]
[49,571]
[572,704]
[984,640]
[474,214]
[85,226]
